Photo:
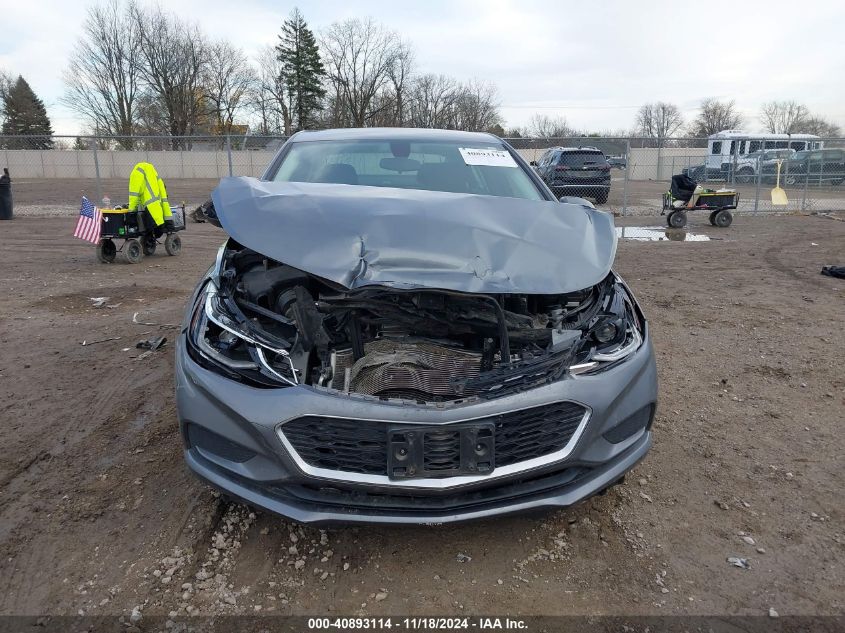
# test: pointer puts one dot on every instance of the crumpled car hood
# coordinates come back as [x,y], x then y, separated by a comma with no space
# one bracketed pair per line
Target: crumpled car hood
[405,238]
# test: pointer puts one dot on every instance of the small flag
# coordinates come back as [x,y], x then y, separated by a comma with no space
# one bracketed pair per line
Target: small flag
[88,225]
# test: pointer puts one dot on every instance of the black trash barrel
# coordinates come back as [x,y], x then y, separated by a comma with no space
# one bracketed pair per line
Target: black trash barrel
[5,195]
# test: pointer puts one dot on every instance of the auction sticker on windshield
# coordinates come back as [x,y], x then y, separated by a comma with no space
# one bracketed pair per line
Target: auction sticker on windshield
[489,157]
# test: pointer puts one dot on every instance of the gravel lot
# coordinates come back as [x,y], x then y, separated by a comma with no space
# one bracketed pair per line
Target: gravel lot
[100,516]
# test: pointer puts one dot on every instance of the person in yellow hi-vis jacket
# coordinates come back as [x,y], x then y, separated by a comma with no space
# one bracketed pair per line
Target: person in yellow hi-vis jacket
[148,194]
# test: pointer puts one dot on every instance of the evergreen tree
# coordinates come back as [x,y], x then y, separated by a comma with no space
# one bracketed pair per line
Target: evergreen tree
[302,69]
[25,114]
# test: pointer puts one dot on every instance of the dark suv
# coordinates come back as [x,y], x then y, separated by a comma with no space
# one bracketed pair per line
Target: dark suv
[576,171]
[824,166]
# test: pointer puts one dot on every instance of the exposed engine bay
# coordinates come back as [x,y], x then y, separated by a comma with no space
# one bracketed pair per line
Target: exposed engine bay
[268,324]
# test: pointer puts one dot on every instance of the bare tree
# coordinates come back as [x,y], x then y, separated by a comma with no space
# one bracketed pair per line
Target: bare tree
[400,77]
[5,84]
[715,116]
[227,82]
[545,126]
[659,120]
[270,98]
[360,55]
[151,116]
[432,101]
[820,127]
[477,107]
[383,109]
[174,55]
[103,75]
[783,117]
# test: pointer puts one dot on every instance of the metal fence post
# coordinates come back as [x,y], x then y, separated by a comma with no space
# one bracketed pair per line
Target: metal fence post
[229,153]
[98,186]
[759,180]
[806,184]
[659,159]
[627,169]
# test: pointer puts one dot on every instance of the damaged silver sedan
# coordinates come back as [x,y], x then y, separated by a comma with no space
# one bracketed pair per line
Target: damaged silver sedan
[405,326]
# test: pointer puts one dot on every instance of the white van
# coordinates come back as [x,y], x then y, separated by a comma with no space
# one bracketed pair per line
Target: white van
[725,148]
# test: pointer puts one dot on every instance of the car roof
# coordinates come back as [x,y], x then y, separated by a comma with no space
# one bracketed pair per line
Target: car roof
[391,134]
[741,134]
[577,149]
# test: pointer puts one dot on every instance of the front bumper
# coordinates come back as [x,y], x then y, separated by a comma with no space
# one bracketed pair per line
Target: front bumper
[266,475]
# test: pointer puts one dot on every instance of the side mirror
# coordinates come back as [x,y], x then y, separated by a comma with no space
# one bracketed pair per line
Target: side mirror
[533,163]
[576,200]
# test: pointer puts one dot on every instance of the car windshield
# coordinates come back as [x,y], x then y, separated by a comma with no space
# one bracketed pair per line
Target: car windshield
[800,155]
[582,159]
[485,168]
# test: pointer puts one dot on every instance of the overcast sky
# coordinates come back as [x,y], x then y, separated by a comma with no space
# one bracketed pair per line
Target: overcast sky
[593,62]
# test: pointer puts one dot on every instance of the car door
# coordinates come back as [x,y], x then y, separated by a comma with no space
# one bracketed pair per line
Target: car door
[548,161]
[542,162]
[829,167]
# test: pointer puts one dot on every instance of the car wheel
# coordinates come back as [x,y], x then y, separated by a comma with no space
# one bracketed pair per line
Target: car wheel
[745,175]
[106,251]
[173,244]
[723,219]
[134,251]
[677,219]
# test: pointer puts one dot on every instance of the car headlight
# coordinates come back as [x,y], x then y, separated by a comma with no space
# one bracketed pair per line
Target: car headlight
[619,334]
[227,345]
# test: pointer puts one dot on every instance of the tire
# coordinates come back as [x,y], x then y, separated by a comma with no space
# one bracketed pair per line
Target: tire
[106,251]
[601,198]
[677,220]
[134,251]
[713,217]
[745,176]
[723,219]
[150,245]
[173,244]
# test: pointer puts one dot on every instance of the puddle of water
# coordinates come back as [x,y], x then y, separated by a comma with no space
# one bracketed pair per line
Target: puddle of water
[658,234]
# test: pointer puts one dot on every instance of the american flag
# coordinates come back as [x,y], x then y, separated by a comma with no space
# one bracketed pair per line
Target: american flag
[88,224]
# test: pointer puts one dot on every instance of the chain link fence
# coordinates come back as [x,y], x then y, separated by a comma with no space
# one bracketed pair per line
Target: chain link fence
[625,175]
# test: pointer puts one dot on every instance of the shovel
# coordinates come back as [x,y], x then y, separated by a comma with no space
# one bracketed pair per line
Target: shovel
[778,194]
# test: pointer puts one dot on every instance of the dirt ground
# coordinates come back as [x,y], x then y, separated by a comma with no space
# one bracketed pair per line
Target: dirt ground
[98,514]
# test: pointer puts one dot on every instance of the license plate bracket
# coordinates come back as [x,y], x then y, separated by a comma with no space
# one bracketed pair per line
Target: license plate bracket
[415,452]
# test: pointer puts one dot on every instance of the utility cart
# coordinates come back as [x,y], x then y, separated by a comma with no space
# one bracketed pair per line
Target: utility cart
[138,238]
[685,195]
